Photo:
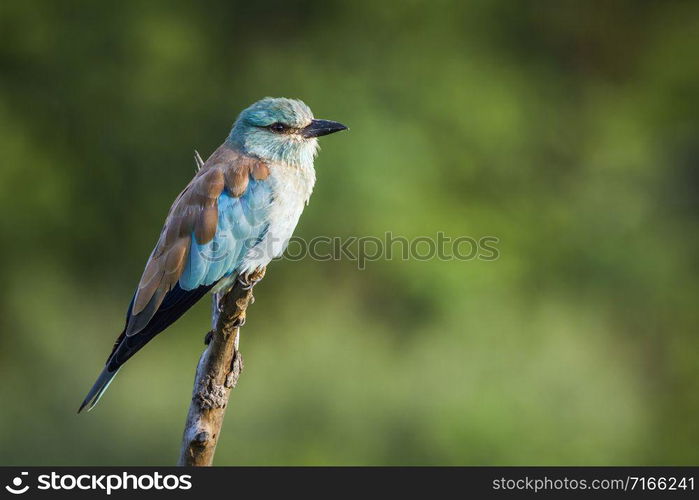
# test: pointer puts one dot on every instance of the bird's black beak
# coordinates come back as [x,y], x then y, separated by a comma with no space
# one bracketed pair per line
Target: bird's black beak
[322,127]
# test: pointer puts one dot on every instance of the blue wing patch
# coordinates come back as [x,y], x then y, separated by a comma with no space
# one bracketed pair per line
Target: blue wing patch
[242,223]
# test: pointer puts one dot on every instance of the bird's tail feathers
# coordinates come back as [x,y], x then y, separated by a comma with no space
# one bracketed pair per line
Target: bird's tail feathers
[105,378]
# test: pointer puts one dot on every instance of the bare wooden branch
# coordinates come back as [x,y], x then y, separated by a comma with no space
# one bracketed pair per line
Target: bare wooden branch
[217,373]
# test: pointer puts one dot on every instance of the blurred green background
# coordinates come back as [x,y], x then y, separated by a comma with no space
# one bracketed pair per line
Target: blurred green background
[569,130]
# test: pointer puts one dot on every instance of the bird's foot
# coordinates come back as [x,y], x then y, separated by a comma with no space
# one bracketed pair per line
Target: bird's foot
[249,280]
[239,321]
[245,284]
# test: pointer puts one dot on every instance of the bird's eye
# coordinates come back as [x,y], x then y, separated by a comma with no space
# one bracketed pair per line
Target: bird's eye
[277,127]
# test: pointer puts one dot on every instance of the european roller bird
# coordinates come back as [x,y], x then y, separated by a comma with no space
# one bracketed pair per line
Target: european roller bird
[234,217]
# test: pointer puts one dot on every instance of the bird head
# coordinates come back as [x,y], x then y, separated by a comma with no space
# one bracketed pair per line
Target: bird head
[280,130]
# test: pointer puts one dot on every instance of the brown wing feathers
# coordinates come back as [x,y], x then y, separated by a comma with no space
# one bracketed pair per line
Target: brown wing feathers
[194,212]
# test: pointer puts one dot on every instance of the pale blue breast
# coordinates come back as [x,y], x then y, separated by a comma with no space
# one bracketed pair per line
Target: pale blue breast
[242,223]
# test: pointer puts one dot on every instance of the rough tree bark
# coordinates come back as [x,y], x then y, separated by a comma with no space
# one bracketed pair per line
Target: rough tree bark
[217,373]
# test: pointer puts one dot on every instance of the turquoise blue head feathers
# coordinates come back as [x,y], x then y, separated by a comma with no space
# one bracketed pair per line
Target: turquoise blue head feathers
[280,130]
